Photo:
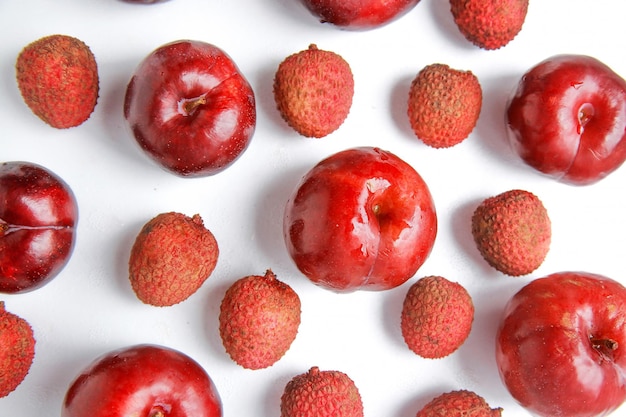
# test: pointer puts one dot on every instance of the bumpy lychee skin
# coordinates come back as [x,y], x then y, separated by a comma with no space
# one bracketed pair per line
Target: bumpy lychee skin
[173,255]
[17,350]
[318,393]
[512,232]
[437,317]
[489,24]
[259,320]
[58,78]
[461,403]
[313,91]
[444,105]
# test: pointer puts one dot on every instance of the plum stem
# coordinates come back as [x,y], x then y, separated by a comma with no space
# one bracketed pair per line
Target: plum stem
[605,347]
[3,227]
[585,114]
[191,105]
[158,412]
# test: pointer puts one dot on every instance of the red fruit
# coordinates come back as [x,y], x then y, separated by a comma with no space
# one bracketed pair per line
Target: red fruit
[58,78]
[190,108]
[319,393]
[361,14]
[512,232]
[567,119]
[360,219]
[489,24]
[560,345]
[313,91]
[462,403]
[173,255]
[142,380]
[17,350]
[38,216]
[444,105]
[437,317]
[259,320]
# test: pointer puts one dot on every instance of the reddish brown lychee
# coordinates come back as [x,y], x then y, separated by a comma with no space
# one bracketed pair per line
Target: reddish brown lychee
[313,90]
[259,320]
[318,393]
[171,258]
[444,105]
[58,78]
[17,350]
[461,403]
[489,24]
[512,232]
[437,316]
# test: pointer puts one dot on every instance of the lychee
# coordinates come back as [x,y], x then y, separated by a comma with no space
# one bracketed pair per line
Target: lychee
[512,232]
[461,403]
[318,393]
[171,258]
[444,105]
[17,350]
[313,90]
[259,320]
[489,24]
[437,316]
[58,78]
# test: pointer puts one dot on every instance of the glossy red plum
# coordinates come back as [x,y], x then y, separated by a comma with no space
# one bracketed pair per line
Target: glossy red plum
[360,219]
[359,14]
[38,216]
[567,119]
[190,108]
[560,346]
[142,381]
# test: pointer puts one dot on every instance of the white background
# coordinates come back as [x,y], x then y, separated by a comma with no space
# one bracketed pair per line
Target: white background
[90,308]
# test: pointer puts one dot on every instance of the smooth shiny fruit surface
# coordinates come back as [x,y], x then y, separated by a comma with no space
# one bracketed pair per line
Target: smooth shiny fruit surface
[567,119]
[560,345]
[142,380]
[190,108]
[359,14]
[38,217]
[360,219]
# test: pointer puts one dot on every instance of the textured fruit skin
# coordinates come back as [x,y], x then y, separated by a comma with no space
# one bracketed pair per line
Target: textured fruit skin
[190,108]
[560,345]
[489,24]
[142,380]
[38,221]
[512,232]
[361,219]
[259,320]
[318,393]
[58,78]
[313,91]
[359,14]
[173,255]
[444,105]
[437,317]
[567,119]
[461,403]
[17,350]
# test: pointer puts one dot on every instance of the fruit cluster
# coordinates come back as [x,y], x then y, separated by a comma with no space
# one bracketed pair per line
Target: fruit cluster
[360,219]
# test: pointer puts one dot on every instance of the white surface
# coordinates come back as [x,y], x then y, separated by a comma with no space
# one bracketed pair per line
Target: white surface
[90,309]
